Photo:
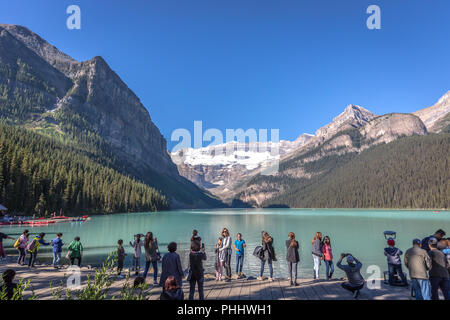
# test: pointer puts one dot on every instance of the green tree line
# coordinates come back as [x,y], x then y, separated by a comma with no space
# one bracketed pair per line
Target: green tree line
[39,174]
[411,172]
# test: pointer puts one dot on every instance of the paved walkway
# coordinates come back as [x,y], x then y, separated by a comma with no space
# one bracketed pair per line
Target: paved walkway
[238,289]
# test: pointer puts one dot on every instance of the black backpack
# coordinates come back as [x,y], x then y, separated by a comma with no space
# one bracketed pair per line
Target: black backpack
[259,252]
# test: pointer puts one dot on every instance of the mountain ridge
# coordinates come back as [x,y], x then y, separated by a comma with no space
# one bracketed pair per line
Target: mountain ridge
[87,103]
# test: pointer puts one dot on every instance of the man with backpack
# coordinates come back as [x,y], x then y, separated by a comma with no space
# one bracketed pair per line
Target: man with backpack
[33,248]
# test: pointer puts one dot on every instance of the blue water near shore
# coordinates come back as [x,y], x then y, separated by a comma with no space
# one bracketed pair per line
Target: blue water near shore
[359,232]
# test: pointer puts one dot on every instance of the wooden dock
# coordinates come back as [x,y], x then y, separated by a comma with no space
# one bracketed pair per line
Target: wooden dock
[279,289]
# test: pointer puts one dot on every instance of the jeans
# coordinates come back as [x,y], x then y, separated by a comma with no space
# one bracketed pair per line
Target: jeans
[239,263]
[22,256]
[32,258]
[155,269]
[292,268]
[228,265]
[137,264]
[316,266]
[436,283]
[329,268]
[269,262]
[421,288]
[56,258]
[192,283]
[396,268]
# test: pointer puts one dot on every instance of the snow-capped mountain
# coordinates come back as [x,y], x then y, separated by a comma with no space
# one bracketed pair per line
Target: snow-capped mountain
[221,165]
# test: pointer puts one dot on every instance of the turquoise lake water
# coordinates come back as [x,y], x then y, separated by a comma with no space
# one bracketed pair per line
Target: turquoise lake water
[359,232]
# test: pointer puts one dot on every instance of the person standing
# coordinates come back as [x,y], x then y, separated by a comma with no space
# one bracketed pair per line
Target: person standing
[239,245]
[418,263]
[57,244]
[137,247]
[195,236]
[33,248]
[268,254]
[151,256]
[292,258]
[171,266]
[328,257]
[75,251]
[353,271]
[439,275]
[120,258]
[196,271]
[317,253]
[23,242]
[2,250]
[394,262]
[226,248]
[219,260]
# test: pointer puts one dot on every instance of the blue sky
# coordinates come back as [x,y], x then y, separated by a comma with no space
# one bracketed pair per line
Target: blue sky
[287,64]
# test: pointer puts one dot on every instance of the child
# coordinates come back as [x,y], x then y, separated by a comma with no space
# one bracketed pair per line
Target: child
[137,244]
[328,257]
[33,248]
[220,258]
[75,251]
[239,245]
[57,250]
[120,258]
[394,263]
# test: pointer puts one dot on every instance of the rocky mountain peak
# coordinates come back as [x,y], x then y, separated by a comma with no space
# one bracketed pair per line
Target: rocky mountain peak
[353,116]
[34,42]
[445,98]
[436,117]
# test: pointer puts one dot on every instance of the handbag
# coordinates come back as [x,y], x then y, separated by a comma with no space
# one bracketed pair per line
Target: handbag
[259,252]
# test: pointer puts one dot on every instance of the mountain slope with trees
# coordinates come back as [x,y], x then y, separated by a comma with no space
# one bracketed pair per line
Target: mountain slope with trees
[411,172]
[87,107]
[41,175]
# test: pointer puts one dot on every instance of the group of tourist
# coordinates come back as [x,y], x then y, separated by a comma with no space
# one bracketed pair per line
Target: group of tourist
[428,261]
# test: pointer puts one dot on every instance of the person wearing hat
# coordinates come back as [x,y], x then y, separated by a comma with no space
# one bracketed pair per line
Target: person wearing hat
[439,234]
[418,263]
[439,275]
[353,271]
[394,263]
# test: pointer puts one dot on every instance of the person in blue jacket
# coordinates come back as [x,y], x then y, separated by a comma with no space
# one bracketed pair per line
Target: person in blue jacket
[57,250]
